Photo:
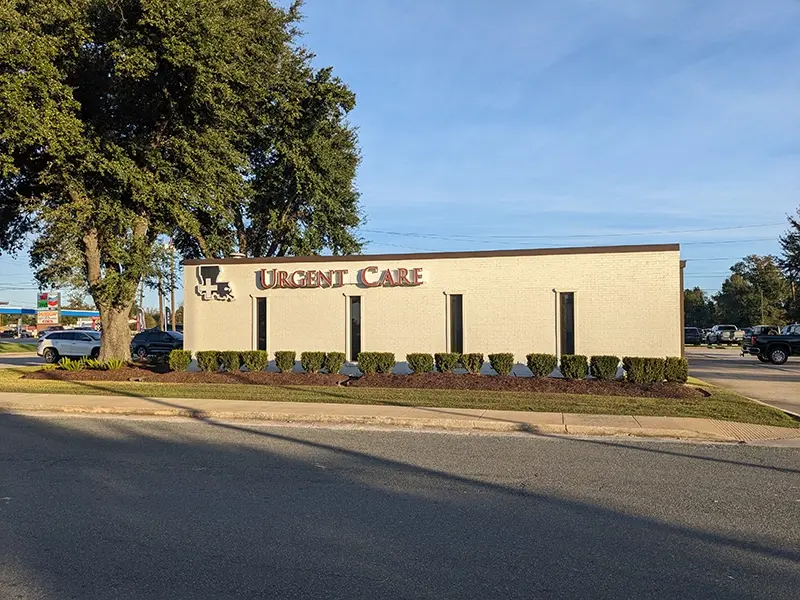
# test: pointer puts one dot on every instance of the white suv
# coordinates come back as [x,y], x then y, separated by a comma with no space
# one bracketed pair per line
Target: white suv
[68,343]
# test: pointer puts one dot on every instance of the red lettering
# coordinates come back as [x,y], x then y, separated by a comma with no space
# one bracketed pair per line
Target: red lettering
[416,278]
[293,282]
[387,280]
[402,276]
[325,278]
[264,285]
[282,283]
[311,279]
[364,277]
[340,277]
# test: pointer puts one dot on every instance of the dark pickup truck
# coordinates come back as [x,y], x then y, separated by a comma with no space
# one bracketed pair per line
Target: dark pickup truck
[772,348]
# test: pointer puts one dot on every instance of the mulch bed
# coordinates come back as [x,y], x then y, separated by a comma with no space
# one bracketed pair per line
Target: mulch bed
[438,381]
[455,381]
[157,375]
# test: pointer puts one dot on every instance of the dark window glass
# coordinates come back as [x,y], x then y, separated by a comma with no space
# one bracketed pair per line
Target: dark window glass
[355,327]
[83,337]
[261,320]
[456,323]
[567,322]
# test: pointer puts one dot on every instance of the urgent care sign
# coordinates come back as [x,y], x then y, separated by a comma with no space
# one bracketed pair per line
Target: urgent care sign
[368,277]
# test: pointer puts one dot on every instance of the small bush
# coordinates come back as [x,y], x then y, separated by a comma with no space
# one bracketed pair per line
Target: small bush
[541,365]
[604,366]
[179,360]
[312,361]
[48,367]
[447,362]
[255,360]
[420,362]
[68,364]
[93,364]
[231,360]
[574,366]
[284,360]
[502,363]
[676,369]
[385,362]
[112,364]
[472,362]
[643,370]
[208,361]
[334,361]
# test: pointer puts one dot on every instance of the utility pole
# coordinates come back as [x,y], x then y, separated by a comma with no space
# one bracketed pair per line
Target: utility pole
[172,284]
[161,323]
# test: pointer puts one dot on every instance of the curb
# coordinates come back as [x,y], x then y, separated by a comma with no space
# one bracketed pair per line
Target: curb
[462,425]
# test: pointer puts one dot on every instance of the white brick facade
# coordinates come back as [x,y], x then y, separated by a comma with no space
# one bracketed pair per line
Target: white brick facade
[627,302]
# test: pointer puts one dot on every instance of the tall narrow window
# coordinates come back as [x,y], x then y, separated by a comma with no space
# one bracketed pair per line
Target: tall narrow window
[355,327]
[261,322]
[456,323]
[567,322]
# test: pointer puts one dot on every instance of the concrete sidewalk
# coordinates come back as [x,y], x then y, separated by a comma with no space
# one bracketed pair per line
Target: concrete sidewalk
[398,416]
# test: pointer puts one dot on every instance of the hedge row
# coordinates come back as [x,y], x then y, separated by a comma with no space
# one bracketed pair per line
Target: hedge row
[572,366]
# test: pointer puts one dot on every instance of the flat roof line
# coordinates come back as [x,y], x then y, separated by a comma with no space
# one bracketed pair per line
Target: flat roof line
[442,255]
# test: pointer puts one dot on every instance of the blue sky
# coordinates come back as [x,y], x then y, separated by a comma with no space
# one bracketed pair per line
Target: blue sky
[529,123]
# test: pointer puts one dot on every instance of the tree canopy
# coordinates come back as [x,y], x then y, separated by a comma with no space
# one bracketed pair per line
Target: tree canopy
[756,293]
[698,308]
[124,121]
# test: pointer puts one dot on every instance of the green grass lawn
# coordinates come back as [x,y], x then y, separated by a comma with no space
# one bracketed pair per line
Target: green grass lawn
[6,347]
[722,404]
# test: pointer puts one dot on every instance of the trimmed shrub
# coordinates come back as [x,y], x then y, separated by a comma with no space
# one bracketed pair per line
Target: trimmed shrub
[541,365]
[334,361]
[574,366]
[312,361]
[284,360]
[385,362]
[472,362]
[676,369]
[208,360]
[447,362]
[502,362]
[419,362]
[255,360]
[643,370]
[179,360]
[604,366]
[231,360]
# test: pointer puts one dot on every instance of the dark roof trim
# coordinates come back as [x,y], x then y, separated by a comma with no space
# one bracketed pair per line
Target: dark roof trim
[439,255]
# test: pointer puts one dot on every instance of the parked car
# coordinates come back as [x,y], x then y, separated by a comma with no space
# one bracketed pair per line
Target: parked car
[725,334]
[8,333]
[793,329]
[154,342]
[58,344]
[773,348]
[751,333]
[692,335]
[25,334]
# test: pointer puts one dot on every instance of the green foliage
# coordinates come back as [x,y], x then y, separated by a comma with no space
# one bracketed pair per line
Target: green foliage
[284,360]
[698,308]
[447,362]
[574,366]
[312,362]
[756,293]
[121,122]
[375,362]
[93,364]
[472,362]
[48,367]
[604,366]
[676,369]
[231,360]
[255,360]
[541,365]
[643,370]
[112,364]
[68,364]
[334,361]
[208,361]
[179,360]
[419,362]
[502,362]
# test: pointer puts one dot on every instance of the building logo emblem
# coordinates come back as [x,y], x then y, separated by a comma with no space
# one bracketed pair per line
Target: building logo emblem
[210,287]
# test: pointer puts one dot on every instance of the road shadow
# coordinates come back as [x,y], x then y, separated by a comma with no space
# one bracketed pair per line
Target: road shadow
[120,509]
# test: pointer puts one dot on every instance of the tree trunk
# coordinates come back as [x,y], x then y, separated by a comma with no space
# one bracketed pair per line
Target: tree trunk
[116,333]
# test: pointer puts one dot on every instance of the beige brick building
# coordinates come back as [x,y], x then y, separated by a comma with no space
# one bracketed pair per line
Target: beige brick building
[622,300]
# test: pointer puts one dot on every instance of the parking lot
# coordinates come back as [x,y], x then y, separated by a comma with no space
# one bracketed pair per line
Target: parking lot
[775,385]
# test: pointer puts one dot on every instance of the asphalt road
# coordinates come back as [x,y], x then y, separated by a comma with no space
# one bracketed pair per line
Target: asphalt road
[112,508]
[773,384]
